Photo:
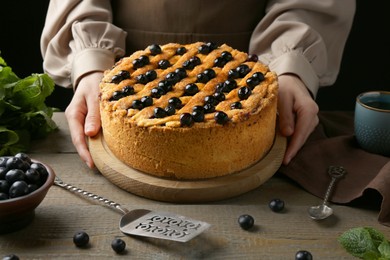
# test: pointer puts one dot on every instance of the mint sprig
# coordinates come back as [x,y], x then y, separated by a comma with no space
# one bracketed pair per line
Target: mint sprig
[365,243]
[24,115]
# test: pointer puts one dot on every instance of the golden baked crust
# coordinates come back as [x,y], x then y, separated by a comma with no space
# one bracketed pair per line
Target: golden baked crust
[166,145]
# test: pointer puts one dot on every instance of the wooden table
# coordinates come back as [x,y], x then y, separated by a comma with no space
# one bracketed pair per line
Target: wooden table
[275,235]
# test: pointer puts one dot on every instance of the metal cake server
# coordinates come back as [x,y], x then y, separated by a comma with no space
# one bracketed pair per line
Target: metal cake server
[323,211]
[147,223]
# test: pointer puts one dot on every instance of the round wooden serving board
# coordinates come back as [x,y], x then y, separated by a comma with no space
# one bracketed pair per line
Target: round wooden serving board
[185,191]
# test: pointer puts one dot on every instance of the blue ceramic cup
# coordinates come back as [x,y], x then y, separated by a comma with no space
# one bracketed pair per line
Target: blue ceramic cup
[372,121]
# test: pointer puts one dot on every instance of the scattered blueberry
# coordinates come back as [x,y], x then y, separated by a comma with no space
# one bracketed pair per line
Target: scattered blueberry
[276,205]
[303,255]
[80,239]
[118,245]
[246,221]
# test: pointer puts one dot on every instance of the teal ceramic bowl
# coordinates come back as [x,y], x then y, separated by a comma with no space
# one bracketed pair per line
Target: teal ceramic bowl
[372,122]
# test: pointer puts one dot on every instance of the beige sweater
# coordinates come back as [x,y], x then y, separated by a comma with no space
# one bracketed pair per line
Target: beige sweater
[302,37]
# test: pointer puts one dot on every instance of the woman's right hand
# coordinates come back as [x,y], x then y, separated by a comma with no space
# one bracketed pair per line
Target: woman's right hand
[83,114]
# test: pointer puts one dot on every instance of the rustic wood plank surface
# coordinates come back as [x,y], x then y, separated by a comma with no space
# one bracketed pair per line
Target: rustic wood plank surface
[275,235]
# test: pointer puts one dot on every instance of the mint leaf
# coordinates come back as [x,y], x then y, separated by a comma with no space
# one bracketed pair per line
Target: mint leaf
[358,242]
[365,243]
[23,112]
[384,249]
[376,236]
[7,137]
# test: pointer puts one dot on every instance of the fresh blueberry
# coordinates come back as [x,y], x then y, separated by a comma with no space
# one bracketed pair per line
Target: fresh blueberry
[221,117]
[155,49]
[163,64]
[175,102]
[191,89]
[244,92]
[236,105]
[276,205]
[159,112]
[246,221]
[80,238]
[186,119]
[18,189]
[303,255]
[118,245]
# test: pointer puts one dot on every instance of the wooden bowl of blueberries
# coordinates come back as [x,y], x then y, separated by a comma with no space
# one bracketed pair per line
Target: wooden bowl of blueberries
[24,183]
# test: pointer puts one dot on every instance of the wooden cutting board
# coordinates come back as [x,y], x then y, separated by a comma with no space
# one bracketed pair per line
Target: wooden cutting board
[185,191]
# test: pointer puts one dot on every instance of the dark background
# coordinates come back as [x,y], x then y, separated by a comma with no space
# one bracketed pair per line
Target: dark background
[364,67]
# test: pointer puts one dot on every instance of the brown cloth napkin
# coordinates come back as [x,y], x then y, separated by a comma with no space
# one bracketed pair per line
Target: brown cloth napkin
[333,143]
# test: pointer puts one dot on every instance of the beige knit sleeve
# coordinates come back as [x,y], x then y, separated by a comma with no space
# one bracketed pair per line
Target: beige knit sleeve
[304,37]
[78,38]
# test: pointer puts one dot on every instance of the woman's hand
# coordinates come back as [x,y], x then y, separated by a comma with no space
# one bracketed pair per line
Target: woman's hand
[298,113]
[83,114]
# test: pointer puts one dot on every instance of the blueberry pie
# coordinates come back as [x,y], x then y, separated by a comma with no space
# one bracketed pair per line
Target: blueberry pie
[189,111]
